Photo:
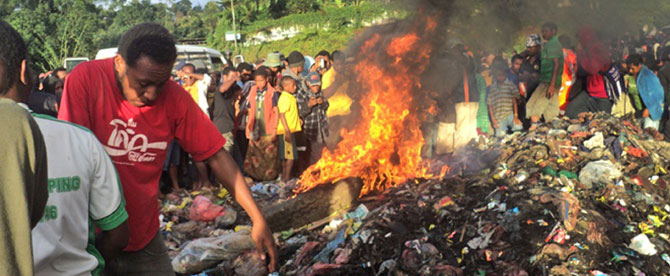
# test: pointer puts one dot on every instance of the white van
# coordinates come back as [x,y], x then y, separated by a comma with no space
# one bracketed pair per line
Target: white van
[212,59]
[70,63]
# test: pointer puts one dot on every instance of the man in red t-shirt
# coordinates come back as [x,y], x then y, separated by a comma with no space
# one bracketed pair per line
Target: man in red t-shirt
[135,110]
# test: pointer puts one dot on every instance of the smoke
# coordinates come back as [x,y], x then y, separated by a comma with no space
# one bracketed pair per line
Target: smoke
[491,26]
[495,24]
[431,72]
[420,65]
[386,81]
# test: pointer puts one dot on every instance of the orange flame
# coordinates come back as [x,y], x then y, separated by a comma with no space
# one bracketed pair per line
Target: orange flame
[384,148]
[431,23]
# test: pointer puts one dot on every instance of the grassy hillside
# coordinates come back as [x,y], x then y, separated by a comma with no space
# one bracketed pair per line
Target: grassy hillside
[332,15]
[328,29]
[309,42]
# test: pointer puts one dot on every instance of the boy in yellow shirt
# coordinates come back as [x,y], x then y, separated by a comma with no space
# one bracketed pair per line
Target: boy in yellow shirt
[289,123]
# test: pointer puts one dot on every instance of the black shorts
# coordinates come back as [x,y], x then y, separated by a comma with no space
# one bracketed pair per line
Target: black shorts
[287,151]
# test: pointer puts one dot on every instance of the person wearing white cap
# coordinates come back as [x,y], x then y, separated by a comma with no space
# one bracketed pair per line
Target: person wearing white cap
[530,68]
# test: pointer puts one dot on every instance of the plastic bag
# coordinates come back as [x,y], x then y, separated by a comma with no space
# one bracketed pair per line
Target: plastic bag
[324,255]
[642,245]
[201,254]
[599,172]
[227,219]
[597,141]
[203,209]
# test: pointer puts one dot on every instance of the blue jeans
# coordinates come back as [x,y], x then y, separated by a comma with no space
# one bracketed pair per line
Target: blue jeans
[507,123]
[173,155]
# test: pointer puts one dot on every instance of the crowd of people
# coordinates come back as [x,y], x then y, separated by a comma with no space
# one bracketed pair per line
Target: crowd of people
[288,129]
[116,139]
[125,124]
[551,79]
[272,115]
[87,183]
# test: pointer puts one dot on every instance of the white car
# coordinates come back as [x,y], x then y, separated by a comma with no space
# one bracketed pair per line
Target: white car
[212,59]
[70,63]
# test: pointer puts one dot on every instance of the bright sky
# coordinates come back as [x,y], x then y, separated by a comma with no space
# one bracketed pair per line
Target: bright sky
[195,2]
[200,2]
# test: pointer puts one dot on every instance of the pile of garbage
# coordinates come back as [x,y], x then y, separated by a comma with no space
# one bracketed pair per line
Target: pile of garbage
[583,197]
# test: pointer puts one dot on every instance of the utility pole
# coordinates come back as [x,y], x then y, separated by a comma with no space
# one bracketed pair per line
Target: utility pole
[232,7]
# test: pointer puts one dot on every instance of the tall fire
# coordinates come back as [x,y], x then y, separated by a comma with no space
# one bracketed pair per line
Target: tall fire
[384,148]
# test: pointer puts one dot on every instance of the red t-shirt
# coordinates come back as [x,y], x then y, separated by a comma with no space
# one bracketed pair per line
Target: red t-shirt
[595,86]
[136,138]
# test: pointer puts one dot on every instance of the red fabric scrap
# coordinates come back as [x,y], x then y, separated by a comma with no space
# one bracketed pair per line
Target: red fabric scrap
[579,134]
[639,153]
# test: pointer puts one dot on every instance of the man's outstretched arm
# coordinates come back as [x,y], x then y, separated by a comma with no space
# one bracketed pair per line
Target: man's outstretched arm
[226,171]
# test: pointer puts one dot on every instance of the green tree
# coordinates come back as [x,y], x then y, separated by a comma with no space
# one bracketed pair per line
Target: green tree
[210,16]
[127,16]
[55,32]
[302,6]
[7,7]
[190,26]
[182,6]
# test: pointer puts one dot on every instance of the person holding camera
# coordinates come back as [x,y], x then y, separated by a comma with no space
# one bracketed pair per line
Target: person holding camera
[322,62]
[312,107]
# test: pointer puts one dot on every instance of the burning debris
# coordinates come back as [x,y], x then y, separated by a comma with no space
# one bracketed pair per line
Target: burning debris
[384,147]
[563,199]
[583,196]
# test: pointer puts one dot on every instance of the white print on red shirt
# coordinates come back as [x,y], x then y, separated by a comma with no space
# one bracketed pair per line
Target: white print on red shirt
[124,141]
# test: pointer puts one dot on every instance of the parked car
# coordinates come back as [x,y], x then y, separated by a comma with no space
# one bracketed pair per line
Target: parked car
[70,63]
[201,57]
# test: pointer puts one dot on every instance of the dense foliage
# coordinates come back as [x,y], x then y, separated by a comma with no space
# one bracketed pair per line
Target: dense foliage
[57,29]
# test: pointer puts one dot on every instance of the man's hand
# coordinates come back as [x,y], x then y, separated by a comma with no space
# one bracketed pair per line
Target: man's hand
[273,137]
[180,74]
[316,67]
[312,102]
[111,243]
[228,81]
[550,91]
[226,171]
[234,76]
[645,113]
[319,100]
[517,121]
[262,236]
[288,138]
[494,122]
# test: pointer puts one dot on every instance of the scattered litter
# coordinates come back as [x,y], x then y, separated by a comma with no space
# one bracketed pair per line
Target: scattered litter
[575,197]
[204,253]
[642,245]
